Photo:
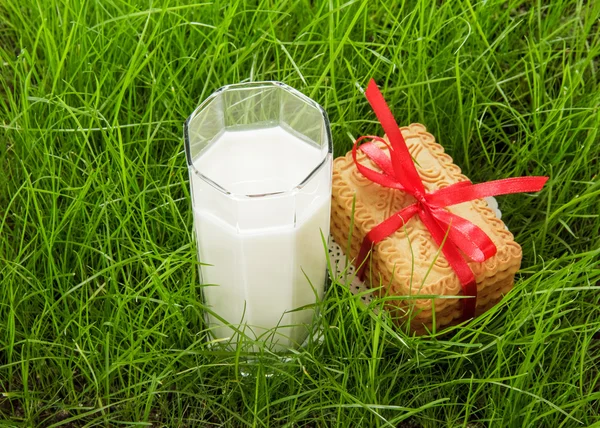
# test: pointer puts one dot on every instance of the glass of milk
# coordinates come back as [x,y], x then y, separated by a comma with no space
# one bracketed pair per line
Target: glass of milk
[260,162]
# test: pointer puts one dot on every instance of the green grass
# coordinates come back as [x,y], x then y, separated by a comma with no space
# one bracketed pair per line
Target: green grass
[100,311]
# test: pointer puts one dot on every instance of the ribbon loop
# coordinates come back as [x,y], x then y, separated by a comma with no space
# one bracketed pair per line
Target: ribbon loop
[458,237]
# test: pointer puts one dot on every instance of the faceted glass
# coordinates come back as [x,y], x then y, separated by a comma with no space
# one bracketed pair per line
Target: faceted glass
[260,162]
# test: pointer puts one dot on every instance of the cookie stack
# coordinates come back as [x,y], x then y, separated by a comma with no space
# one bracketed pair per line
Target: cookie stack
[408,267]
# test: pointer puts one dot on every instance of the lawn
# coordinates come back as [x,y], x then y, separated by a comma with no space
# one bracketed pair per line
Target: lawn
[101,321]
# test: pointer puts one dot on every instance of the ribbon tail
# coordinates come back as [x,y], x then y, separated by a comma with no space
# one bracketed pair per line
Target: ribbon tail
[456,261]
[456,194]
[404,167]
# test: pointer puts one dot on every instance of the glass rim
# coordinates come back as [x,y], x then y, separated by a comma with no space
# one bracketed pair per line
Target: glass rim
[251,85]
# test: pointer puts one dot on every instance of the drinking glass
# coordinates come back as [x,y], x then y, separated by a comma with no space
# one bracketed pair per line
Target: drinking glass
[260,161]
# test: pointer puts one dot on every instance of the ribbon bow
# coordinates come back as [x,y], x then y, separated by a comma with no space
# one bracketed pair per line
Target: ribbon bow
[456,236]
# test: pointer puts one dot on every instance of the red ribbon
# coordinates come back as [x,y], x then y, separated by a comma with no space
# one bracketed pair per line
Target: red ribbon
[459,236]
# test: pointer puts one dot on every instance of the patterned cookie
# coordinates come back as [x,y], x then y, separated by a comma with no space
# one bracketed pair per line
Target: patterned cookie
[408,264]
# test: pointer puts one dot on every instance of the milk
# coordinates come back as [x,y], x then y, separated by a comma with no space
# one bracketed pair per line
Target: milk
[264,254]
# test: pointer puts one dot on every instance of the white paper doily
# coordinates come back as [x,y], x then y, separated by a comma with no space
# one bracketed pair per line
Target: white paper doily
[348,275]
